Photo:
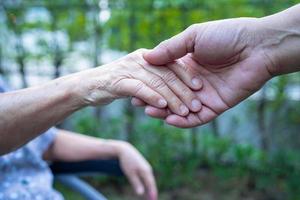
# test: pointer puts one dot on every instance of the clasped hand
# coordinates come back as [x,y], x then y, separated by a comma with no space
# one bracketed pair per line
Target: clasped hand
[193,77]
[233,58]
[168,86]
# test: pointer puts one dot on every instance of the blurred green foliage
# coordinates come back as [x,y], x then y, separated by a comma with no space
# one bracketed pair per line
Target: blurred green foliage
[180,158]
[176,164]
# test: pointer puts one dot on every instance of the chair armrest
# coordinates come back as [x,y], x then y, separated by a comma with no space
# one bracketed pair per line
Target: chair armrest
[107,167]
[80,186]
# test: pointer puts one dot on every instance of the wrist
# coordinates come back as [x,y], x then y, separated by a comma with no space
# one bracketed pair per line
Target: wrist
[90,87]
[121,147]
[280,38]
[117,147]
[64,90]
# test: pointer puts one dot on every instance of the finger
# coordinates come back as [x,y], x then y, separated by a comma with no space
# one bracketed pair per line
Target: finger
[137,102]
[207,114]
[160,113]
[173,48]
[133,87]
[150,184]
[136,184]
[185,94]
[193,119]
[179,97]
[189,121]
[186,74]
[156,83]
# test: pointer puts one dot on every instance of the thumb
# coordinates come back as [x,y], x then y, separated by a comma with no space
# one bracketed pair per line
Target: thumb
[173,48]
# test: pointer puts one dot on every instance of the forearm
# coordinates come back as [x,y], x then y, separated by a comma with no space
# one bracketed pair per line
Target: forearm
[69,146]
[24,114]
[282,39]
[27,113]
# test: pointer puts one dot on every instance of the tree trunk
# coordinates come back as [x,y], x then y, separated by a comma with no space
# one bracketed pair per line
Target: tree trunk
[57,63]
[194,140]
[1,65]
[261,112]
[21,60]
[129,123]
[57,54]
[130,114]
[97,51]
[215,127]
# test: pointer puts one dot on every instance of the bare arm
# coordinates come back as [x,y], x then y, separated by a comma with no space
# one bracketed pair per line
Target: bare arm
[69,146]
[25,114]
[280,35]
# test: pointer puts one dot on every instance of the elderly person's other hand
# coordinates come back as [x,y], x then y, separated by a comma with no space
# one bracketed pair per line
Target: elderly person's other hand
[69,146]
[138,171]
[233,57]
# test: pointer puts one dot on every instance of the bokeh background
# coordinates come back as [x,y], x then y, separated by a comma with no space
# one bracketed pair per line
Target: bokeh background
[250,152]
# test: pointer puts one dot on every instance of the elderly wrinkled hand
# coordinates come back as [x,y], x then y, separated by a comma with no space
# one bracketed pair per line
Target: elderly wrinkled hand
[133,76]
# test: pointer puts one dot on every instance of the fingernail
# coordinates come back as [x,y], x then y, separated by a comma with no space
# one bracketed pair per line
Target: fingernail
[196,82]
[147,110]
[183,109]
[133,102]
[162,102]
[140,191]
[153,195]
[196,105]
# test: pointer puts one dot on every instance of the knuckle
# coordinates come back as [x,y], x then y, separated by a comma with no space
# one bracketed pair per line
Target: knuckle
[170,77]
[182,65]
[174,101]
[192,27]
[165,45]
[134,55]
[146,170]
[138,88]
[130,173]
[186,92]
[141,50]
[135,170]
[117,85]
[136,58]
[126,66]
[157,83]
[149,168]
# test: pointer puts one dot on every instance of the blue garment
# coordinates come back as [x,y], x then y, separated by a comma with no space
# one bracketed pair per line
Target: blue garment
[24,175]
